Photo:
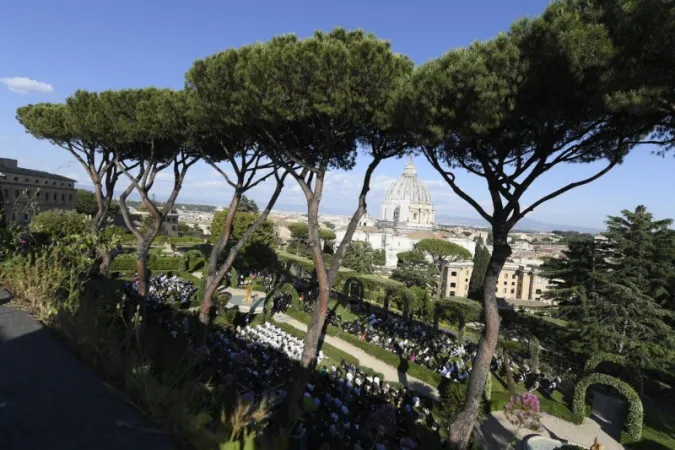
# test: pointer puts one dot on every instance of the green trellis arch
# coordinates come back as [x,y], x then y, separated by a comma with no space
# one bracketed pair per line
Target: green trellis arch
[635,411]
[600,357]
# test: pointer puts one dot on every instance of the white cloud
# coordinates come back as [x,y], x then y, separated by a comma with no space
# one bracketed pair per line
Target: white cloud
[24,85]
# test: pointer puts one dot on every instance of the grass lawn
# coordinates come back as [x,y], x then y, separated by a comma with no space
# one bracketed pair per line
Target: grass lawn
[555,406]
[658,432]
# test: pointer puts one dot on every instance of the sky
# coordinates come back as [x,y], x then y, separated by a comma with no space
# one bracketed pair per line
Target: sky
[50,49]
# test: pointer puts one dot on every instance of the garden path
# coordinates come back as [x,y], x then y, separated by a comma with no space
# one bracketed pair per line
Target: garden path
[496,432]
[49,399]
[390,373]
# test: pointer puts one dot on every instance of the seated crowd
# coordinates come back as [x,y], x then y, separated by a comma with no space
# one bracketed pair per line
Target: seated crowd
[546,383]
[355,410]
[164,290]
[435,349]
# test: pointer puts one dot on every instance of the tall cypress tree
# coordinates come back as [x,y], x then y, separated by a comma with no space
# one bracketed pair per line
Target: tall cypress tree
[481,258]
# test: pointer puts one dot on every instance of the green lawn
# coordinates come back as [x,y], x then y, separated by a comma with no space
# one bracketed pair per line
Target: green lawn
[658,432]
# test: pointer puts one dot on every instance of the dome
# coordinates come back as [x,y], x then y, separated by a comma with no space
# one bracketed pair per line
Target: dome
[408,187]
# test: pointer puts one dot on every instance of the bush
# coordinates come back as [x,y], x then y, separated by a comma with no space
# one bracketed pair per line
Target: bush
[165,263]
[193,260]
[59,223]
[234,276]
[534,353]
[123,263]
[257,286]
[635,411]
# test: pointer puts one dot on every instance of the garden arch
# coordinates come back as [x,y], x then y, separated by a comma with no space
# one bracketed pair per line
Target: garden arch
[631,370]
[353,290]
[635,416]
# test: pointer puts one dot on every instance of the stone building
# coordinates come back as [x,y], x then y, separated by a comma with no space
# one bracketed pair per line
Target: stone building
[515,282]
[26,192]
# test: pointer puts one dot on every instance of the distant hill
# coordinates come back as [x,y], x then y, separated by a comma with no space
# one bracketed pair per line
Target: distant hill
[524,225]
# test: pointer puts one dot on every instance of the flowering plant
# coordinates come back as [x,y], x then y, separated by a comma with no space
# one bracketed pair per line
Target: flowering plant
[523,411]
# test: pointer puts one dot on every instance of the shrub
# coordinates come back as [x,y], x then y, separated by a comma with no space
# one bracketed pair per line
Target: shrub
[123,263]
[257,286]
[523,411]
[635,411]
[234,276]
[165,263]
[59,223]
[193,260]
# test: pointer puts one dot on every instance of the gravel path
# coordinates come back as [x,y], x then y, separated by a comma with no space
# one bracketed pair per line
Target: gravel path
[50,400]
[390,373]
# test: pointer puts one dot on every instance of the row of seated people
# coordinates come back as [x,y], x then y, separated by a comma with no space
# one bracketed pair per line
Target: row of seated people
[435,349]
[546,383]
[164,290]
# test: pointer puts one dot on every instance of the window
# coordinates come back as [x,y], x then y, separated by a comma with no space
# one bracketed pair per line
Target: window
[505,290]
[37,181]
[6,194]
[61,184]
[505,283]
[63,197]
[16,193]
[454,274]
[70,197]
[537,291]
[46,196]
[513,291]
[452,293]
[453,285]
[466,280]
[16,178]
[513,283]
[26,182]
[514,276]
[54,183]
[46,181]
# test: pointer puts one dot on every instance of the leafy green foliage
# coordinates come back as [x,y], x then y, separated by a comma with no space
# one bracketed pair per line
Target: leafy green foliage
[379,258]
[616,289]
[85,203]
[265,235]
[481,258]
[414,270]
[248,205]
[360,257]
[60,224]
[635,411]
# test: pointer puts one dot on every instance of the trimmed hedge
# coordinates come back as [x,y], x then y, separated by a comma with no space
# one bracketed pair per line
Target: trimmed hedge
[127,263]
[600,357]
[635,415]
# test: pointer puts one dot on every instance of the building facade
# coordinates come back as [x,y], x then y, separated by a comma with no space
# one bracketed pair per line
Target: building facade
[515,282]
[27,192]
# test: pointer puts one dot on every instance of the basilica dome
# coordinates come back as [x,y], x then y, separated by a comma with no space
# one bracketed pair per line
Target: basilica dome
[409,187]
[407,202]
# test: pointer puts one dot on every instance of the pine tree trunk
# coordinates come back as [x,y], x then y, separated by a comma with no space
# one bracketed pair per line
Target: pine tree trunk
[215,277]
[319,308]
[462,427]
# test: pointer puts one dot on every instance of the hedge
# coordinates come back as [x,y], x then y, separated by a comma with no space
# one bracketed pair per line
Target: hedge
[635,411]
[599,357]
[127,263]
[193,260]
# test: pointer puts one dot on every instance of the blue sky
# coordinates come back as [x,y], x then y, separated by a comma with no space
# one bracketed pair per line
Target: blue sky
[69,45]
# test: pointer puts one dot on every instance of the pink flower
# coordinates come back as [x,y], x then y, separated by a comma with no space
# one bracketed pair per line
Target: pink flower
[524,411]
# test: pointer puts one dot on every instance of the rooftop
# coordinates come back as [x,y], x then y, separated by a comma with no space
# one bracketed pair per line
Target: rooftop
[8,168]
